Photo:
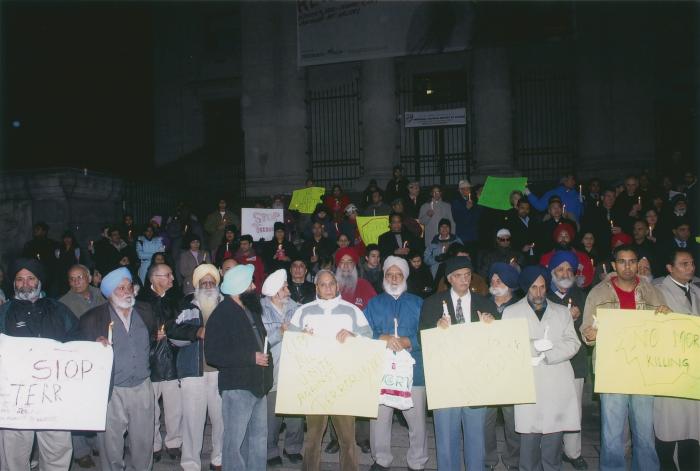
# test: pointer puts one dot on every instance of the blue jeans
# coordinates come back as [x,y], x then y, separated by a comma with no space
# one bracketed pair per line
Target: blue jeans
[449,424]
[245,431]
[614,409]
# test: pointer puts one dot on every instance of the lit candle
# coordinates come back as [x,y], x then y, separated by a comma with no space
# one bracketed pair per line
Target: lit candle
[109,332]
[186,227]
[532,246]
[445,312]
[512,260]
[569,305]
[639,200]
[38,257]
[563,209]
[580,191]
[469,196]
[265,346]
[432,205]
[313,251]
[227,246]
[405,244]
[651,231]
[612,224]
[396,327]
[605,270]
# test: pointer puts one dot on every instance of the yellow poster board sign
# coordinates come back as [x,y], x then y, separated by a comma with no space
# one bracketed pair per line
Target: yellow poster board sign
[306,199]
[477,364]
[320,376]
[639,352]
[371,227]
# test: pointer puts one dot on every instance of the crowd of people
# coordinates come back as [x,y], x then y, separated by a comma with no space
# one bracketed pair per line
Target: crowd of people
[196,314]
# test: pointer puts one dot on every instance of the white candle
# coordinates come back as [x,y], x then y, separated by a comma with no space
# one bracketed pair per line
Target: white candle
[265,346]
[396,327]
[109,333]
[569,305]
[445,312]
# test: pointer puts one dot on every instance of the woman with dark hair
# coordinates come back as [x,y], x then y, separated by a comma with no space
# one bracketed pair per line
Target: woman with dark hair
[323,215]
[228,246]
[336,202]
[191,257]
[67,254]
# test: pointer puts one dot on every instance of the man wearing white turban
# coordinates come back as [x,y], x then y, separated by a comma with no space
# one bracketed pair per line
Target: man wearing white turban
[278,308]
[394,317]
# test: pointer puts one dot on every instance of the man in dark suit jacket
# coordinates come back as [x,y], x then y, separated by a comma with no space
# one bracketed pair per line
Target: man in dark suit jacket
[389,241]
[461,305]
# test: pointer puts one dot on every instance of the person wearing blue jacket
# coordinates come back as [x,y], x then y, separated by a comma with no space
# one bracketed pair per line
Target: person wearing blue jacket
[466,214]
[566,191]
[395,303]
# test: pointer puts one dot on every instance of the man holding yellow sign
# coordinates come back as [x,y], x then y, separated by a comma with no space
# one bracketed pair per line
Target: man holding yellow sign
[623,289]
[330,317]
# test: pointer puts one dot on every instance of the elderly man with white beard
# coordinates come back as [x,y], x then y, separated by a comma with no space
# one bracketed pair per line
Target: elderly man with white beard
[553,342]
[199,382]
[277,311]
[131,406]
[563,290]
[396,307]
[30,315]
[353,289]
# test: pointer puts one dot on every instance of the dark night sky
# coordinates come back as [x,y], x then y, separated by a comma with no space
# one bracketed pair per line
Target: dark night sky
[78,77]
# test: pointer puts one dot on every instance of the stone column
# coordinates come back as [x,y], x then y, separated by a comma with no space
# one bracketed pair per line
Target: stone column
[491,113]
[378,102]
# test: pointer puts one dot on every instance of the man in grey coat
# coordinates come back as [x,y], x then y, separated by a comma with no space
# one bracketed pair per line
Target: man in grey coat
[676,420]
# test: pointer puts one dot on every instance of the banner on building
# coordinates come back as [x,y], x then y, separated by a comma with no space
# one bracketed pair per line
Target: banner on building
[343,31]
[320,376]
[425,119]
[260,222]
[639,352]
[46,384]
[478,364]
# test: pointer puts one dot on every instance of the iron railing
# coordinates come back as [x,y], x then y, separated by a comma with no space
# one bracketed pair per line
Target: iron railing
[434,155]
[334,134]
[544,112]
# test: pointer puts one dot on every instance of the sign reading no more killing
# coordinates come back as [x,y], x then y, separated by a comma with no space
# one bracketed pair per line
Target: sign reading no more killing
[49,385]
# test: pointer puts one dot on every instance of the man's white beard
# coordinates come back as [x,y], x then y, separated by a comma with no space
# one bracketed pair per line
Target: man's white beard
[395,290]
[647,278]
[124,303]
[498,292]
[28,294]
[563,283]
[347,280]
[207,299]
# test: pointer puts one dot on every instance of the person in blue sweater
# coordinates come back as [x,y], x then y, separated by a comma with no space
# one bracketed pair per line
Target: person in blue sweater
[566,191]
[397,305]
[466,214]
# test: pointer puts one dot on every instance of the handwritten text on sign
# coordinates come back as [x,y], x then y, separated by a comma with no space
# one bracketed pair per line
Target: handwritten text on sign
[321,376]
[259,222]
[46,384]
[639,352]
[306,199]
[478,364]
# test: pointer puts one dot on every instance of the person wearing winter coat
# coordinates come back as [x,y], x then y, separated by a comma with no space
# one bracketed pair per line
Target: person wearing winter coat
[436,251]
[277,311]
[199,381]
[394,317]
[147,244]
[433,212]
[553,342]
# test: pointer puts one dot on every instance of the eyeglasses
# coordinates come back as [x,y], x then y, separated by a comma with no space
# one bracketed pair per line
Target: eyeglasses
[504,239]
[167,275]
[77,278]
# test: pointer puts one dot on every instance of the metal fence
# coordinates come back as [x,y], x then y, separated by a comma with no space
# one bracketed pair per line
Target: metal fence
[144,200]
[544,113]
[334,134]
[434,155]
